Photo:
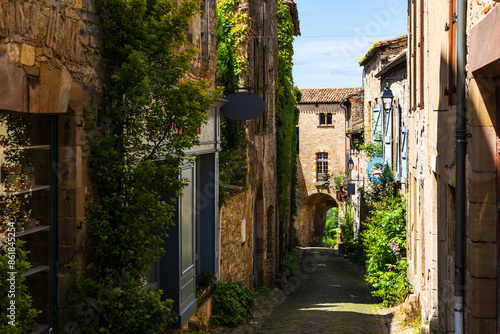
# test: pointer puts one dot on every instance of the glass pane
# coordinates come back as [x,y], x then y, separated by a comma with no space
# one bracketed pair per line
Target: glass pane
[187,221]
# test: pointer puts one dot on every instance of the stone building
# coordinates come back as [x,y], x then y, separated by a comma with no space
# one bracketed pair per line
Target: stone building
[52,68]
[322,156]
[249,228]
[453,247]
[384,65]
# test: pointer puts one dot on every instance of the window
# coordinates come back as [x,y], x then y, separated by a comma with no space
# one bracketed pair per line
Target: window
[325,119]
[28,193]
[321,166]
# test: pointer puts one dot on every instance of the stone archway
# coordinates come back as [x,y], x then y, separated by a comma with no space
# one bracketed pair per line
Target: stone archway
[312,218]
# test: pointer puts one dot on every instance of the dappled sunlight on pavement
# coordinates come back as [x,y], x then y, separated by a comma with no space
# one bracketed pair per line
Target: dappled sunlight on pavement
[332,297]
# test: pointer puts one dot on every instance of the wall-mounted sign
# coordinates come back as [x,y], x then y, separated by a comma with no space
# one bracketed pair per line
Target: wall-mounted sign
[376,169]
[243,106]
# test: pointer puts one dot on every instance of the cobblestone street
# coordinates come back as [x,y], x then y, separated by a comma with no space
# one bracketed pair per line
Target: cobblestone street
[330,298]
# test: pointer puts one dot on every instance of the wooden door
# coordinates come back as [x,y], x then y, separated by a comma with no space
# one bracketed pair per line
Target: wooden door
[187,246]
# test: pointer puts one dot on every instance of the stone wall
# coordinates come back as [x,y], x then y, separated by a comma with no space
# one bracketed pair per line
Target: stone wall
[375,60]
[355,121]
[432,168]
[255,204]
[385,53]
[482,107]
[51,62]
[56,47]
[313,198]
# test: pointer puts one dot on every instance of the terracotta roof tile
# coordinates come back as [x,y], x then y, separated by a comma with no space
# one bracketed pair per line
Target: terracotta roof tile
[326,95]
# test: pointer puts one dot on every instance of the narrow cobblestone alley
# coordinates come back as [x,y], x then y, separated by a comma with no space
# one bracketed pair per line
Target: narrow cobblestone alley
[332,297]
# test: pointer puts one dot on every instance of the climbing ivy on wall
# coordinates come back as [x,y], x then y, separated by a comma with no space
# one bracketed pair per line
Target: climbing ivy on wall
[287,118]
[232,29]
[153,116]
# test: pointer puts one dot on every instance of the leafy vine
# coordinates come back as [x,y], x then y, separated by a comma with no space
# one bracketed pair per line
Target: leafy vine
[233,27]
[287,117]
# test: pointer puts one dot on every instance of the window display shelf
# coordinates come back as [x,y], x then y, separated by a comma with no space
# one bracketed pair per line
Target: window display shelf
[33,230]
[28,184]
[36,270]
[31,147]
[40,328]
[24,191]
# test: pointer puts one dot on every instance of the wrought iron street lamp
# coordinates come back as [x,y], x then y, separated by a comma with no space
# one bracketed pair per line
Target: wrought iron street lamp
[387,97]
[350,165]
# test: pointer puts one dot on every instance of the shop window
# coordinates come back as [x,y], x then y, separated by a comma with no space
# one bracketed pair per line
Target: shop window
[28,196]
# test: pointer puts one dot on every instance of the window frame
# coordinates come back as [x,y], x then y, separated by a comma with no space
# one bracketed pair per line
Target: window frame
[325,119]
[321,166]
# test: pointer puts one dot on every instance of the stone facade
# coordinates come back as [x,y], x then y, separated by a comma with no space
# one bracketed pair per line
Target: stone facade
[52,63]
[249,228]
[384,65]
[51,57]
[322,127]
[432,163]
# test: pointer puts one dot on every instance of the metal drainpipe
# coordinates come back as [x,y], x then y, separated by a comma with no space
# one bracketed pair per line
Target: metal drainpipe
[461,143]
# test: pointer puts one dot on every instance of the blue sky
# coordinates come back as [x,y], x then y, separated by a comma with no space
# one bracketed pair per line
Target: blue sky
[337,34]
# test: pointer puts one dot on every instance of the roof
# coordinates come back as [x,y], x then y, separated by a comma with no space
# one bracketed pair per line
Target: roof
[400,60]
[380,44]
[327,95]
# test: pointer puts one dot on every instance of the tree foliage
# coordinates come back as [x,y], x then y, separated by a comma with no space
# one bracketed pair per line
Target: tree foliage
[153,116]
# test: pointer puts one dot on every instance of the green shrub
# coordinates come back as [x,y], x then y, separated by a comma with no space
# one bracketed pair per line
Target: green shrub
[263,291]
[332,222]
[290,264]
[205,281]
[232,304]
[115,304]
[149,111]
[24,313]
[385,242]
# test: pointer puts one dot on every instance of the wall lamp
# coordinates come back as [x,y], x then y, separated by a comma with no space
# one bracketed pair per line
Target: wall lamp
[350,164]
[387,95]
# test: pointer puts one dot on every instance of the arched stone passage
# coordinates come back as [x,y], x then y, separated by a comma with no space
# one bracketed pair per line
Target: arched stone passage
[312,218]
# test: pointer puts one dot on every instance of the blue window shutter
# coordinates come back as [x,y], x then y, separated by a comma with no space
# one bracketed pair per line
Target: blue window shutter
[404,159]
[377,123]
[388,139]
[398,143]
